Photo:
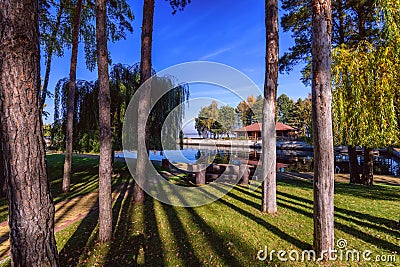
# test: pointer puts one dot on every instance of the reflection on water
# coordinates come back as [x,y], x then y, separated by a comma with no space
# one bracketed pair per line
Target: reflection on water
[288,160]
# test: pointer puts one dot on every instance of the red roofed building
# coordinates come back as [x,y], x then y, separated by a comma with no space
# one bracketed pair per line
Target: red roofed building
[253,131]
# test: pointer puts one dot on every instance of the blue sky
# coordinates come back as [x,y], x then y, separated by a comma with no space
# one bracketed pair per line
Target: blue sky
[228,32]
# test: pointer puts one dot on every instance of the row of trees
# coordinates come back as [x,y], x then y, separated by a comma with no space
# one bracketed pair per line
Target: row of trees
[32,240]
[365,37]
[32,226]
[216,121]
[80,15]
[365,80]
[62,25]
[66,23]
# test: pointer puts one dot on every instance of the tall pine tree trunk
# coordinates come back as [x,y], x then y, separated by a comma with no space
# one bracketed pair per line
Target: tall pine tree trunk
[105,166]
[71,100]
[368,172]
[353,165]
[144,102]
[3,184]
[322,126]
[49,56]
[31,209]
[269,108]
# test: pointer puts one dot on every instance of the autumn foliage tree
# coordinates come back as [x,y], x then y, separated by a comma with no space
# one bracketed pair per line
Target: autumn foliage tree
[245,110]
[352,22]
[366,83]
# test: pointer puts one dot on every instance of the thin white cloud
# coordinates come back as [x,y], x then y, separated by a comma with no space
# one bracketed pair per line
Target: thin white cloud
[215,53]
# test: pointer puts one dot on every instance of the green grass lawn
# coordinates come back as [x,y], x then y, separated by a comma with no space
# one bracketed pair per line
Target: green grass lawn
[228,232]
[84,178]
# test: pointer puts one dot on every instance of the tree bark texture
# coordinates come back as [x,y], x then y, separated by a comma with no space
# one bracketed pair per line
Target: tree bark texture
[31,209]
[144,102]
[322,126]
[368,172]
[71,100]
[49,56]
[269,108]
[353,165]
[105,165]
[3,184]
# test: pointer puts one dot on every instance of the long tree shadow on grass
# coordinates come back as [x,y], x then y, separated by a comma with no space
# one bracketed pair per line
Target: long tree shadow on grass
[185,248]
[308,204]
[351,231]
[5,237]
[377,191]
[219,243]
[347,217]
[125,247]
[77,198]
[77,243]
[375,222]
[84,178]
[215,239]
[298,243]
[153,252]
[135,230]
[390,224]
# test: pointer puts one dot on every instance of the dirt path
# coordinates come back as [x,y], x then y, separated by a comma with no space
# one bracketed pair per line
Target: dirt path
[68,212]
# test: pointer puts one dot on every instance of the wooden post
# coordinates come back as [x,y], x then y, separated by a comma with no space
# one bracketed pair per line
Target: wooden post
[245,171]
[214,169]
[165,164]
[234,173]
[200,174]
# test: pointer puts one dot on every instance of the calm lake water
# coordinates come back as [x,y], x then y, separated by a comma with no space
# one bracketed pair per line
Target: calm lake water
[288,160]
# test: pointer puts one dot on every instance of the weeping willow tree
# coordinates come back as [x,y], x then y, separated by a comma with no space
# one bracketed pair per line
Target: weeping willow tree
[124,81]
[166,116]
[366,88]
[85,123]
